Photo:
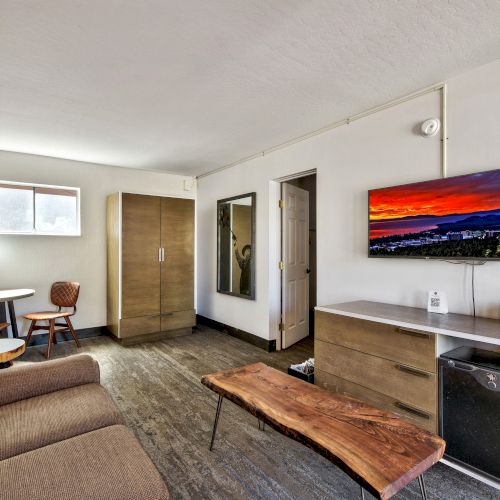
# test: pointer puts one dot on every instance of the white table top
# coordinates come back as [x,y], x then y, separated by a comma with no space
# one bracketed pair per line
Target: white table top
[10,345]
[6,295]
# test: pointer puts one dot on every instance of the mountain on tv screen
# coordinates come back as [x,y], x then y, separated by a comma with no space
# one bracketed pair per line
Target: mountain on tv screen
[452,218]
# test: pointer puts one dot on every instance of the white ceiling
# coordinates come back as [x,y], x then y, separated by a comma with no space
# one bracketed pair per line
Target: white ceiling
[188,86]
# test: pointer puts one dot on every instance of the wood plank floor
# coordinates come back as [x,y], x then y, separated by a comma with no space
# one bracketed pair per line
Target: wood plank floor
[157,387]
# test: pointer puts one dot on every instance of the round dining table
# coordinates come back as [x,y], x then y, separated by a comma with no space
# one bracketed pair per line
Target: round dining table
[9,350]
[9,296]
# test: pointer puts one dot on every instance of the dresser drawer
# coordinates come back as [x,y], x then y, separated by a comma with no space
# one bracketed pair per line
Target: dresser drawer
[402,382]
[409,347]
[177,319]
[416,416]
[145,325]
[142,325]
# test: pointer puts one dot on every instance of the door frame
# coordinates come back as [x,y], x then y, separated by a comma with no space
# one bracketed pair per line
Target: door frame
[275,251]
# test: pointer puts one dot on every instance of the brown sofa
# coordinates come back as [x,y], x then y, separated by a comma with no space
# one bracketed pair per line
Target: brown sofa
[62,437]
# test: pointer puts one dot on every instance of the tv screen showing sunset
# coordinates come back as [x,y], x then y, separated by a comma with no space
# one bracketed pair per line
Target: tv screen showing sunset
[457,217]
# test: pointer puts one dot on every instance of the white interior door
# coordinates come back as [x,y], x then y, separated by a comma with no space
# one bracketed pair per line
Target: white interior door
[295,256]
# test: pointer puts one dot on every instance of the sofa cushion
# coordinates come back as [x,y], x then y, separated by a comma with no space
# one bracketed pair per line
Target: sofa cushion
[107,464]
[42,420]
[27,380]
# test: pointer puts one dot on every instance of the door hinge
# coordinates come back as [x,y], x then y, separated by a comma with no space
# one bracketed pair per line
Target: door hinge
[281,265]
[281,327]
[281,203]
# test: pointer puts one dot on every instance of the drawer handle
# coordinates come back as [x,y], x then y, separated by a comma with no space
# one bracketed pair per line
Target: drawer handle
[412,371]
[414,333]
[411,409]
[167,314]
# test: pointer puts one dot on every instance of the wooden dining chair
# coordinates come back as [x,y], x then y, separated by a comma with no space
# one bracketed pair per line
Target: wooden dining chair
[62,294]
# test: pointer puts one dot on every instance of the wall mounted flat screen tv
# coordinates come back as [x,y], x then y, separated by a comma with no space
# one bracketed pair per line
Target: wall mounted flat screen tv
[453,218]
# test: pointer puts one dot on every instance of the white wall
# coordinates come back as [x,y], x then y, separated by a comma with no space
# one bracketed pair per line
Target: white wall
[37,261]
[380,150]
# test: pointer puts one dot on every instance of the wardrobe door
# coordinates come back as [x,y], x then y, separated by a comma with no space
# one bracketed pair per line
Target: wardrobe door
[141,226]
[177,275]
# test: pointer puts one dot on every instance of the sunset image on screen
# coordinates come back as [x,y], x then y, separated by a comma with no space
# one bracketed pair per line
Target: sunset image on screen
[454,217]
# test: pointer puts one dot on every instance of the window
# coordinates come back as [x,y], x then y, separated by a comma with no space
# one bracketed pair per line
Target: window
[16,208]
[38,209]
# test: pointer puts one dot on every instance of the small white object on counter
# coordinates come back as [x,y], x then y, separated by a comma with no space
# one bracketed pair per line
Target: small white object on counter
[437,302]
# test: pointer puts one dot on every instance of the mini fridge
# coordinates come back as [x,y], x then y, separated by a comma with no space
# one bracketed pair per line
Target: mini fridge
[470,408]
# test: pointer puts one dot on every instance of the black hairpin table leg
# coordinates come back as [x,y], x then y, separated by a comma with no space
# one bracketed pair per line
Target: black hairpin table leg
[216,421]
[422,487]
[420,482]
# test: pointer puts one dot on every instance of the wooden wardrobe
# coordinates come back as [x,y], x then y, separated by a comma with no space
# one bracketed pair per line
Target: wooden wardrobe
[150,266]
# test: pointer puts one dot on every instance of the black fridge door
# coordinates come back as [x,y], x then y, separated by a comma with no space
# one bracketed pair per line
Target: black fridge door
[470,415]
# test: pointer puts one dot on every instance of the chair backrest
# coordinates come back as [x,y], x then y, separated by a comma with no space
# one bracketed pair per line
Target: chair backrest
[65,293]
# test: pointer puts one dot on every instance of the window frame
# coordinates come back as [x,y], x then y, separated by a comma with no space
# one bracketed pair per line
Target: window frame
[34,231]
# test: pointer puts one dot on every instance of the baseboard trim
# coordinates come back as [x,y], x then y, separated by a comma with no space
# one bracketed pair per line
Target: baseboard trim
[250,338]
[82,333]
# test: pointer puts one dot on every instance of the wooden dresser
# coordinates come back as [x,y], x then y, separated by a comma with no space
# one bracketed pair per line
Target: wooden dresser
[390,367]
[386,354]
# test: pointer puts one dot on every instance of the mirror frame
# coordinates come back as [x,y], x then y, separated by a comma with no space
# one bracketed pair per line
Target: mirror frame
[253,196]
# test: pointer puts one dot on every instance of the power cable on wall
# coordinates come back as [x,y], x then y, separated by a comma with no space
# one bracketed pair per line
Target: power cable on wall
[473,264]
[473,293]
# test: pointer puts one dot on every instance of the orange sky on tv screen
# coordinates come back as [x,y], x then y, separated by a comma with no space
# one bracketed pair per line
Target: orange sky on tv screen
[456,195]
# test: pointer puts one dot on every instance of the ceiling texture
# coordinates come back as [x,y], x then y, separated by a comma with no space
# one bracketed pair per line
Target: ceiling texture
[189,86]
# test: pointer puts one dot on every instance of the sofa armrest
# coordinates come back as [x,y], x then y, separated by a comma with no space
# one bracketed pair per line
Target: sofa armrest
[24,381]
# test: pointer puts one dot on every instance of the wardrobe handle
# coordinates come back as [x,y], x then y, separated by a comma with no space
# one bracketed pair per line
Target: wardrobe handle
[411,409]
[162,254]
[412,371]
[159,254]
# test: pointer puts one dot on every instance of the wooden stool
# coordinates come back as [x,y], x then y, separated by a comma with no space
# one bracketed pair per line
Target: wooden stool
[62,294]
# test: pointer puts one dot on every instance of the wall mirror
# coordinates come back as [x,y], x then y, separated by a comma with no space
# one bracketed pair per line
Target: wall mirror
[236,246]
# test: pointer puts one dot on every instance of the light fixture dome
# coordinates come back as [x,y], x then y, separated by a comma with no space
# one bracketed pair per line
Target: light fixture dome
[430,127]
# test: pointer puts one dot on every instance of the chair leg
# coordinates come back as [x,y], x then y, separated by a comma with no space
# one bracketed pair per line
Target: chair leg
[72,331]
[30,332]
[51,336]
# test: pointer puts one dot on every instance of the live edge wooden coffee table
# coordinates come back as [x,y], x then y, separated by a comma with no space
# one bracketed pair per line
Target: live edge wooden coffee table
[380,451]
